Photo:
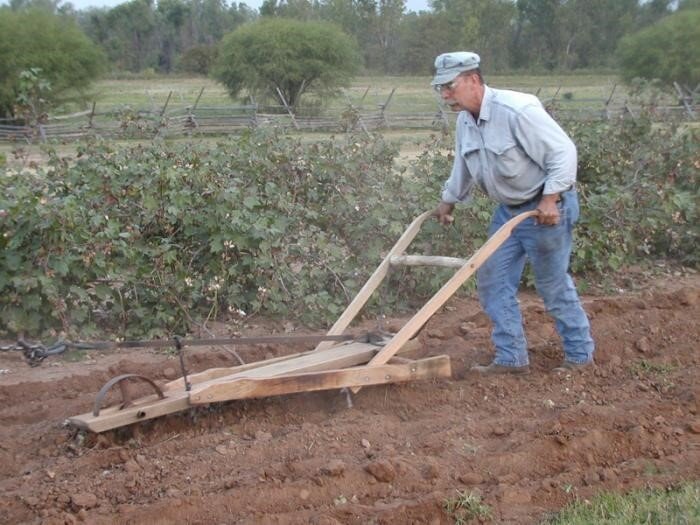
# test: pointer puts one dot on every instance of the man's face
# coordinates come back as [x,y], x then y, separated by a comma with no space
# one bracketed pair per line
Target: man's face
[463,93]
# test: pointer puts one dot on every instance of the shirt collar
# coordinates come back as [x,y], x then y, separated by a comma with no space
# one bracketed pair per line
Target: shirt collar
[485,110]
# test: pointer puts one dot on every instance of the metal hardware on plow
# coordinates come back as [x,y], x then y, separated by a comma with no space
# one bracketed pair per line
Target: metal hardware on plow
[126,396]
[35,353]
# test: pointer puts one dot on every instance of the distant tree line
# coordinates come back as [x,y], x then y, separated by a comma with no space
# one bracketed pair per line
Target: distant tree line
[48,48]
[168,35]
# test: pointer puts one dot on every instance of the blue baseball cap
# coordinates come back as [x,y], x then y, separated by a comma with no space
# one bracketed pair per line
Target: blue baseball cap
[449,65]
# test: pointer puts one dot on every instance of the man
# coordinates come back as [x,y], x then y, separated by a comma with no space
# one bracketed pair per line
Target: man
[508,145]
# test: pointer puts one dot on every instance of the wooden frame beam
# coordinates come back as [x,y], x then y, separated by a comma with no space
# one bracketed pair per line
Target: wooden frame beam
[248,387]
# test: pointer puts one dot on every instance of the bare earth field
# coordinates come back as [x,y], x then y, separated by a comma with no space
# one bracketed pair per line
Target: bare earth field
[526,445]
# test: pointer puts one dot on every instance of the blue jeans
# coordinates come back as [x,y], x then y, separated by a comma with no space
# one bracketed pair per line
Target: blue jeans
[548,248]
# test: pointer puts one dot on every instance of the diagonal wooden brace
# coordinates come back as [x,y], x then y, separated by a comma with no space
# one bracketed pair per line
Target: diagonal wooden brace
[244,387]
[447,291]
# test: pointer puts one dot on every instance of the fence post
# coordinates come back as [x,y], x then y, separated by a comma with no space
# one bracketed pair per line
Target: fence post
[607,103]
[363,96]
[686,100]
[159,124]
[191,122]
[550,106]
[92,114]
[356,111]
[289,110]
[382,108]
[441,114]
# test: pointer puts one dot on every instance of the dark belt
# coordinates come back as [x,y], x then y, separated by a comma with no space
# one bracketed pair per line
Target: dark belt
[536,198]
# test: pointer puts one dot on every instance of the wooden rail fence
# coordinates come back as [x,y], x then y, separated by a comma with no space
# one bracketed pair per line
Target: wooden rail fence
[221,120]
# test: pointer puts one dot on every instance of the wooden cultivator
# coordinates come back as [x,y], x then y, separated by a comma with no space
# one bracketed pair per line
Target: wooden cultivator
[331,365]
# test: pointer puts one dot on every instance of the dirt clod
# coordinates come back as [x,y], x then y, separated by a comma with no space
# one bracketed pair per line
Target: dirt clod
[382,470]
[334,468]
[642,345]
[83,500]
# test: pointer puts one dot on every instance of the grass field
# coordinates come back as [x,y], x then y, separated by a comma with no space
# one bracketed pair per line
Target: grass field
[410,94]
[404,95]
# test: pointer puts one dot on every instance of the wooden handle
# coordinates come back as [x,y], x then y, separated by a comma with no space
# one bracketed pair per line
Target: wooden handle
[449,288]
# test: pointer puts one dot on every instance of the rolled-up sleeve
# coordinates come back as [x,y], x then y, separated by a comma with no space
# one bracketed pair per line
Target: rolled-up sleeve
[458,187]
[548,146]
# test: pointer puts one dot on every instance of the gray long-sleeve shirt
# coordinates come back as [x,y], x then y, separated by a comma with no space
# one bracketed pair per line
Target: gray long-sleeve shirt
[513,149]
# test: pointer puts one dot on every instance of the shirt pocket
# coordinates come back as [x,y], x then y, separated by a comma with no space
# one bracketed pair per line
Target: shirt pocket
[507,159]
[470,154]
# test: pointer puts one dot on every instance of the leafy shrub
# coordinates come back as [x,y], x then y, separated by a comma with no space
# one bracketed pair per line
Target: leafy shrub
[639,186]
[664,50]
[37,39]
[282,55]
[146,238]
[151,239]
[197,59]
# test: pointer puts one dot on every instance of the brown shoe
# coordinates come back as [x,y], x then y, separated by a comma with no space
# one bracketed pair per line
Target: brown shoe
[494,369]
[568,366]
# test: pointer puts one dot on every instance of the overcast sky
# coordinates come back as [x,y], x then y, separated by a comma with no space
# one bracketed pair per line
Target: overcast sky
[412,5]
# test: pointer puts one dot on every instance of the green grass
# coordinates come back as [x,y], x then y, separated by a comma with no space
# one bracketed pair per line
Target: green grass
[465,507]
[412,94]
[662,507]
[645,367]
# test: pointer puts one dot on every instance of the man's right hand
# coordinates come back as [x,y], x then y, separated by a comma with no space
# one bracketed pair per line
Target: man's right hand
[443,213]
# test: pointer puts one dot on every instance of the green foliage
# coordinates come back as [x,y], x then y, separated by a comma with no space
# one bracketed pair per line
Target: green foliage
[523,34]
[643,368]
[198,60]
[287,55]
[146,239]
[639,191]
[33,93]
[569,35]
[40,40]
[674,506]
[665,51]
[465,507]
[152,239]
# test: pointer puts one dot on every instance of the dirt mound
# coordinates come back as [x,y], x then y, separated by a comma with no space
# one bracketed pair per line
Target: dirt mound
[526,445]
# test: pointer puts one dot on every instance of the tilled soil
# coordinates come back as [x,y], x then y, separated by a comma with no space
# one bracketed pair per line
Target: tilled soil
[526,445]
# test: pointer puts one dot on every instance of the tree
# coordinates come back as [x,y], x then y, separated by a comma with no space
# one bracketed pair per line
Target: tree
[423,37]
[291,56]
[131,35]
[140,34]
[483,26]
[50,45]
[666,51]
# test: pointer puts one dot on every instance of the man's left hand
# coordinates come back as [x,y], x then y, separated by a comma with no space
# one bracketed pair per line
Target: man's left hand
[549,212]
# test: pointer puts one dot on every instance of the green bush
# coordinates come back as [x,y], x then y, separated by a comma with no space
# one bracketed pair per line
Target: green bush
[150,239]
[35,39]
[197,59]
[146,238]
[665,50]
[291,57]
[639,192]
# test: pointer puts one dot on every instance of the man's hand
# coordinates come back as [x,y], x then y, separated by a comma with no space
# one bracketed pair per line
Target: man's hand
[549,213]
[443,213]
